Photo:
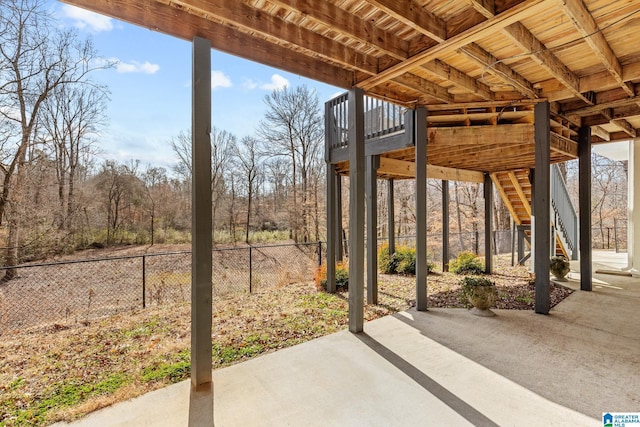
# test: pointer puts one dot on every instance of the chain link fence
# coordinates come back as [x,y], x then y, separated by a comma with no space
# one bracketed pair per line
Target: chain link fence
[64,293]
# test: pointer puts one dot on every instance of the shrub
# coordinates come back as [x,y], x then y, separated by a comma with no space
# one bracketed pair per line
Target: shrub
[403,261]
[406,260]
[387,263]
[466,263]
[342,276]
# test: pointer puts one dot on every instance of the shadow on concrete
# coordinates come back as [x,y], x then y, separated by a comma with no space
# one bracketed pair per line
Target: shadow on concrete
[426,382]
[201,406]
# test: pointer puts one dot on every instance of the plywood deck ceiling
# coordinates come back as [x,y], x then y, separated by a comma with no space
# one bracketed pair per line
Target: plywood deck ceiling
[470,62]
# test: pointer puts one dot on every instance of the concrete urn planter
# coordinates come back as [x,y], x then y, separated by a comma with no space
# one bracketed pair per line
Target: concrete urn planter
[481,293]
[559,268]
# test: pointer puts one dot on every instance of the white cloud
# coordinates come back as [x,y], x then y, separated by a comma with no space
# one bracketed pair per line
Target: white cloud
[277,82]
[83,19]
[219,79]
[249,84]
[137,67]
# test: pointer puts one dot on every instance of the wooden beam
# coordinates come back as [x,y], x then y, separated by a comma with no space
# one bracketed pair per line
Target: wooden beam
[516,134]
[577,11]
[600,105]
[158,16]
[600,133]
[477,32]
[520,192]
[598,81]
[626,127]
[421,85]
[270,27]
[521,36]
[406,169]
[486,8]
[451,174]
[414,17]
[360,30]
[505,198]
[493,65]
[459,79]
[614,113]
[563,145]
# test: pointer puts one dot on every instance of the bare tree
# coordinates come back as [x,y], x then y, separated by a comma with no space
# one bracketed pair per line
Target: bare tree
[36,58]
[222,146]
[249,159]
[293,127]
[72,117]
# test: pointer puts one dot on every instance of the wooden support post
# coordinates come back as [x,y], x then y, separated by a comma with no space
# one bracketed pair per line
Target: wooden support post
[338,214]
[371,194]
[356,210]
[391,217]
[332,226]
[541,207]
[420,140]
[488,224]
[201,221]
[445,225]
[584,201]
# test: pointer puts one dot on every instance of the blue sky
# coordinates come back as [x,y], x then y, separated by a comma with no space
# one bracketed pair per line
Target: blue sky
[151,87]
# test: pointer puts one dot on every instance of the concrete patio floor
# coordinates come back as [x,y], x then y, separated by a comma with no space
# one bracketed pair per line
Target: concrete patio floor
[441,367]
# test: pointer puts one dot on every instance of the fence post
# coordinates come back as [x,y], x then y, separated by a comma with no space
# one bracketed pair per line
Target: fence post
[319,253]
[144,281]
[250,269]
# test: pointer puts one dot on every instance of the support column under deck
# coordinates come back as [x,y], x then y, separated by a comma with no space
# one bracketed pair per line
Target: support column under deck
[338,213]
[356,210]
[633,200]
[420,139]
[371,194]
[445,225]
[584,200]
[488,224]
[391,217]
[541,207]
[332,241]
[201,220]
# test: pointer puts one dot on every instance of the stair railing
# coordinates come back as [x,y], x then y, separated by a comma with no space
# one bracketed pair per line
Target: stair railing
[566,220]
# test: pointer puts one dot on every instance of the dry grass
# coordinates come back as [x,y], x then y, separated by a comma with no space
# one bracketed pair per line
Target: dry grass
[60,373]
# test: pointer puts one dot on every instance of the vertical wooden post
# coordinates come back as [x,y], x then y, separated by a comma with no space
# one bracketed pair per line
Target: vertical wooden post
[445,225]
[488,224]
[371,192]
[356,210]
[391,217]
[541,207]
[201,222]
[331,227]
[584,201]
[338,214]
[420,139]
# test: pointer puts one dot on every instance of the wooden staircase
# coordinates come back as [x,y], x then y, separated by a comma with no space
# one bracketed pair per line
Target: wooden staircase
[515,189]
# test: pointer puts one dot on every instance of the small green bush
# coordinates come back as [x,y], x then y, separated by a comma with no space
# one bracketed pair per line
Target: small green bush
[342,276]
[467,263]
[403,261]
[387,263]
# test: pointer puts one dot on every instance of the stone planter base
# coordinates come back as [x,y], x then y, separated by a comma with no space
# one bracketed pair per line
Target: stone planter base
[482,313]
